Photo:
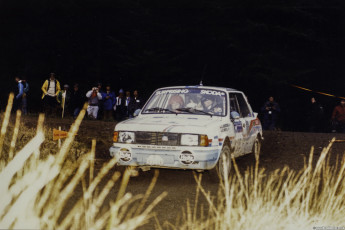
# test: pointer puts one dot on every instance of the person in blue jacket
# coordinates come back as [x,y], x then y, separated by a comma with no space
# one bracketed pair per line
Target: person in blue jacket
[270,110]
[19,95]
[109,99]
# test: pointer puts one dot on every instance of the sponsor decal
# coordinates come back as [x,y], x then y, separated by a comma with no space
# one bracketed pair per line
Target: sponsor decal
[254,125]
[225,128]
[172,91]
[238,127]
[215,141]
[186,158]
[212,92]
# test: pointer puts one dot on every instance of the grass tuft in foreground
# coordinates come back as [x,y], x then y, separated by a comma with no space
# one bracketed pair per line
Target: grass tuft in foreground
[284,199]
[35,192]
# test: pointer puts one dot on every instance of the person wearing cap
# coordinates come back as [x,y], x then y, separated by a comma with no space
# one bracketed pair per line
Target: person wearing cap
[64,99]
[109,99]
[120,106]
[338,117]
[50,88]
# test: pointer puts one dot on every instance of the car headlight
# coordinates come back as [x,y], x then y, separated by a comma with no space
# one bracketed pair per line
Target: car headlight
[126,137]
[189,139]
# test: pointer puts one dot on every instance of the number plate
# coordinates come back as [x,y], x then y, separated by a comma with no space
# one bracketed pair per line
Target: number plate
[154,160]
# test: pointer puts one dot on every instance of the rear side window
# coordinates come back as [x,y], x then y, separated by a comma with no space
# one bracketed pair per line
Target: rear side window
[239,104]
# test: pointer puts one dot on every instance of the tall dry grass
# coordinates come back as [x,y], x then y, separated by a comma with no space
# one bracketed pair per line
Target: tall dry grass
[284,199]
[38,187]
[36,192]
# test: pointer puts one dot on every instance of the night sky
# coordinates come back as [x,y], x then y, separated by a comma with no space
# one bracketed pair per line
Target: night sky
[259,47]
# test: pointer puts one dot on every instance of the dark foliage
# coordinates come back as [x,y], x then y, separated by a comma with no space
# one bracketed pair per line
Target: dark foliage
[259,47]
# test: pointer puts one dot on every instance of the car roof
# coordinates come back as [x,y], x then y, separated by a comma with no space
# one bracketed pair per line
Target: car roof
[201,87]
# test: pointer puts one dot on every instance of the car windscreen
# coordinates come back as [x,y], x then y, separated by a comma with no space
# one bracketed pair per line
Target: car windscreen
[187,100]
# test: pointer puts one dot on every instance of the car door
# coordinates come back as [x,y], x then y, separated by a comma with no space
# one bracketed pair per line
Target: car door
[247,117]
[239,124]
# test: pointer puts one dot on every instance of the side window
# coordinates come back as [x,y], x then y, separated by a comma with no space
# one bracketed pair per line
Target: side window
[239,104]
[244,109]
[233,103]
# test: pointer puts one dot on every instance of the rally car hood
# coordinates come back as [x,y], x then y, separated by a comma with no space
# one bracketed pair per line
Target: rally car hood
[169,123]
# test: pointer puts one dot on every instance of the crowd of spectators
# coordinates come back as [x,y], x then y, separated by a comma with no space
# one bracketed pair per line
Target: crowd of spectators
[63,102]
[108,105]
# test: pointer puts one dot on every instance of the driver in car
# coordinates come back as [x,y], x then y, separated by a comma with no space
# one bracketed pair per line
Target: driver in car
[175,102]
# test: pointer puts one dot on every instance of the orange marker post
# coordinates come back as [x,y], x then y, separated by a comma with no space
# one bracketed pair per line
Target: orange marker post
[59,134]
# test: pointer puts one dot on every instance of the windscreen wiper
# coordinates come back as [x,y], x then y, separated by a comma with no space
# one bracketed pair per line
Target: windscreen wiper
[188,110]
[202,111]
[191,110]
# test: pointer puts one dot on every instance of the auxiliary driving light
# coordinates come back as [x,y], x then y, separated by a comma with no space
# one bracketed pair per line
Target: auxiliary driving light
[125,155]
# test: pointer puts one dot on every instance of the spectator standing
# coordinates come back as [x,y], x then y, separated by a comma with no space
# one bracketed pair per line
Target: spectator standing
[109,99]
[19,95]
[315,116]
[338,117]
[76,101]
[128,100]
[50,88]
[135,103]
[100,106]
[119,107]
[25,96]
[270,110]
[94,97]
[64,98]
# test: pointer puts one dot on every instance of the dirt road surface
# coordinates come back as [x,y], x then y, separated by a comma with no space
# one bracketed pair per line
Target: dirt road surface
[279,149]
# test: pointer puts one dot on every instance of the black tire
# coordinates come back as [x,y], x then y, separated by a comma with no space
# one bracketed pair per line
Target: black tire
[218,170]
[256,149]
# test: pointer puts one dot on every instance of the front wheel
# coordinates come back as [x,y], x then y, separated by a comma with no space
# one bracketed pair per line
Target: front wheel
[257,147]
[223,166]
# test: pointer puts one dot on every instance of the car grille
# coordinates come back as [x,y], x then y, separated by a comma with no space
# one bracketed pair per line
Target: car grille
[157,138]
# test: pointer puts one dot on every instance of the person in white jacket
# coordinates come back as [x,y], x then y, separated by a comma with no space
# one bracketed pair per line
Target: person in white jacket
[94,97]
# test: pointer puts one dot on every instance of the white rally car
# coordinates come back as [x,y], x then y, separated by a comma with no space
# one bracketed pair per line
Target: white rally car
[188,127]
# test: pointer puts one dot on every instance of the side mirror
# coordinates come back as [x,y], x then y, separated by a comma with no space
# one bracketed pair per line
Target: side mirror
[234,115]
[136,112]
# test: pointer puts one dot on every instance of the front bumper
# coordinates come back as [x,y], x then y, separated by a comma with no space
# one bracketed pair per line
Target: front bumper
[176,157]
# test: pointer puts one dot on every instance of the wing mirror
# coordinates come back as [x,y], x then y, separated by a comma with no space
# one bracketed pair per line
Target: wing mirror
[136,112]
